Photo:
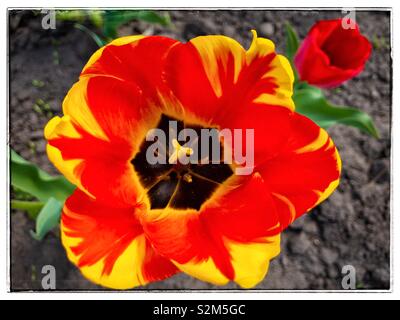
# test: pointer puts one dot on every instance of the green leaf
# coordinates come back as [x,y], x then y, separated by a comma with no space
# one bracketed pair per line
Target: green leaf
[80,16]
[113,19]
[292,42]
[48,218]
[96,38]
[29,178]
[71,15]
[31,207]
[311,102]
[153,17]
[96,17]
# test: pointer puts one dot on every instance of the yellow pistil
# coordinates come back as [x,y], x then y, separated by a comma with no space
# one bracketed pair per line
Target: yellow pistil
[179,152]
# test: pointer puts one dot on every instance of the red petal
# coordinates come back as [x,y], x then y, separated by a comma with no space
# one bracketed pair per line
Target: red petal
[103,169]
[215,78]
[305,172]
[246,214]
[108,244]
[140,62]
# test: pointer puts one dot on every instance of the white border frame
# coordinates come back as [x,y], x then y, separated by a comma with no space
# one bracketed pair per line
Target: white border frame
[394,292]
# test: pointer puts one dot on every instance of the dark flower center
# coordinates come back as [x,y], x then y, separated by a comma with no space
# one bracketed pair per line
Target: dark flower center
[175,184]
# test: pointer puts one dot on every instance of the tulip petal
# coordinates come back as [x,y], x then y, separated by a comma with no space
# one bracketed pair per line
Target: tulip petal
[134,59]
[221,84]
[214,77]
[305,173]
[271,129]
[250,262]
[117,42]
[108,244]
[92,145]
[280,71]
[233,237]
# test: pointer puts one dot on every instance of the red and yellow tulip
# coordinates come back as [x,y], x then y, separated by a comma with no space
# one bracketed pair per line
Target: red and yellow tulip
[129,223]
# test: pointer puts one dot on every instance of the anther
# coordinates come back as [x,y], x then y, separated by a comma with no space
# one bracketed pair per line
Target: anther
[187,177]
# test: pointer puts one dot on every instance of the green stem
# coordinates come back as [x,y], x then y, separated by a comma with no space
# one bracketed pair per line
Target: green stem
[26,205]
[299,85]
[99,41]
[32,207]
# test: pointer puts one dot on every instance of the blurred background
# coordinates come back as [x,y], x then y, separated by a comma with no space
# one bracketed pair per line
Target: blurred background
[352,227]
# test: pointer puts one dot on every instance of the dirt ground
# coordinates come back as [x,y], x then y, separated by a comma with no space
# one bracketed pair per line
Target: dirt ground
[351,228]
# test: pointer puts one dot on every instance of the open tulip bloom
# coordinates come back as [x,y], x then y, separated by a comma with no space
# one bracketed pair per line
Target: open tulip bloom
[145,207]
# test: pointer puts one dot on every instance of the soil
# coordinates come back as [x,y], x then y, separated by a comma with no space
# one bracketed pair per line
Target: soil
[352,227]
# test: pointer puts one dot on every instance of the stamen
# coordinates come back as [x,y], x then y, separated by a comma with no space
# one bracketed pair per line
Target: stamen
[187,177]
[179,152]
